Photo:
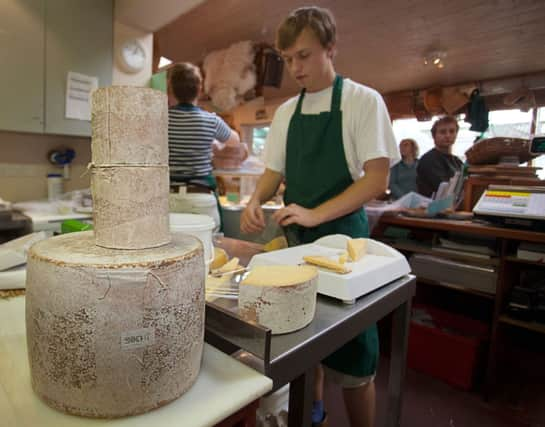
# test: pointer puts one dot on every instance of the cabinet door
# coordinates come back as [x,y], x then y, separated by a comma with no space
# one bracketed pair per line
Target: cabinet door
[22,65]
[79,38]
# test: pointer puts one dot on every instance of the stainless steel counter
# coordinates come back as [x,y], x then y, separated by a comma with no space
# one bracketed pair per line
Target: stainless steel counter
[291,358]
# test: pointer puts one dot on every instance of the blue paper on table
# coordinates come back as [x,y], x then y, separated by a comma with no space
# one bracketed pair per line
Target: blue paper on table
[437,206]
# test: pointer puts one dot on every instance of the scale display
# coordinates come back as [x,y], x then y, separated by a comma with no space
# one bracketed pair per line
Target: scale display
[512,203]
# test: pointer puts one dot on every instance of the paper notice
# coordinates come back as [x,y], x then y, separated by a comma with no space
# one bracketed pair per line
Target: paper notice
[78,95]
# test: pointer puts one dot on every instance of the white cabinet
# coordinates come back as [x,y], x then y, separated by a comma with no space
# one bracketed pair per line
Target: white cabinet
[22,65]
[40,41]
[79,37]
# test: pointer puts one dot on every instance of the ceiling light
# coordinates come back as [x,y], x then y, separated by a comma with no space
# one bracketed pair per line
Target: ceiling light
[436,57]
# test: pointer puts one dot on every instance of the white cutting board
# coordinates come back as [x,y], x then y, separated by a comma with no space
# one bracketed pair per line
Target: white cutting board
[381,265]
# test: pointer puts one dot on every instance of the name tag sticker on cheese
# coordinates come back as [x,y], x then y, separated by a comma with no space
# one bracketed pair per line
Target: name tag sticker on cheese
[137,338]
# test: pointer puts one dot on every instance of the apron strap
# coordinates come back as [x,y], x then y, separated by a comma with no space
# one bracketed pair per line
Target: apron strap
[337,92]
[300,101]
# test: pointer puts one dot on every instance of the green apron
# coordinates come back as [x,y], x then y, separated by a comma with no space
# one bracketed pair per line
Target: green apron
[316,171]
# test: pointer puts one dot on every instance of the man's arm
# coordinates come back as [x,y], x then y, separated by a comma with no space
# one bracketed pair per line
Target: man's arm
[371,185]
[252,219]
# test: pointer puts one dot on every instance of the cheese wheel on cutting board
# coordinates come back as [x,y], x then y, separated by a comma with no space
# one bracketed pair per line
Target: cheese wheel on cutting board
[279,297]
[112,333]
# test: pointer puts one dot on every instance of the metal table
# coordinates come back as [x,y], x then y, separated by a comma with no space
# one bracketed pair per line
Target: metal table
[291,358]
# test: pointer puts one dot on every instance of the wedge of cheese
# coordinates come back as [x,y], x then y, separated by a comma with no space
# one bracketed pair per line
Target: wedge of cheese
[279,242]
[325,262]
[220,258]
[229,266]
[279,297]
[356,248]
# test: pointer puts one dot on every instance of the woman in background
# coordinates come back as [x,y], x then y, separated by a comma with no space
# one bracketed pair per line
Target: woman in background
[403,173]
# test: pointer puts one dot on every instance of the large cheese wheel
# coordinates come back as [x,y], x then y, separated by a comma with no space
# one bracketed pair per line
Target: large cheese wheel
[279,297]
[130,206]
[111,332]
[129,126]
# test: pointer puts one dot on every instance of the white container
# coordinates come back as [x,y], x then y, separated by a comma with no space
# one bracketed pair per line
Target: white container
[195,203]
[55,186]
[200,226]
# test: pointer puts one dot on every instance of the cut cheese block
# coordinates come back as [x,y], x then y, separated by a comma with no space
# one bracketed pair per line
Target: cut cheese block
[343,257]
[220,258]
[357,248]
[279,297]
[129,126]
[130,206]
[113,333]
[322,261]
[229,266]
[279,242]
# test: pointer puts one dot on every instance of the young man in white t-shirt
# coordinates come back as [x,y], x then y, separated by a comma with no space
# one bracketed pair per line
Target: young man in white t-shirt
[332,145]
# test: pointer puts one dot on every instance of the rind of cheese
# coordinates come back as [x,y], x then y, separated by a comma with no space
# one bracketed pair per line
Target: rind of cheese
[129,126]
[343,257]
[229,266]
[130,206]
[281,298]
[279,275]
[220,258]
[356,248]
[322,261]
[279,242]
[113,333]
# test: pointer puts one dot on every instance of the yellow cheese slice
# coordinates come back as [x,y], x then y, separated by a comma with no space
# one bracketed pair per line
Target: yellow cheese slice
[229,266]
[279,242]
[220,258]
[322,261]
[279,275]
[343,257]
[357,248]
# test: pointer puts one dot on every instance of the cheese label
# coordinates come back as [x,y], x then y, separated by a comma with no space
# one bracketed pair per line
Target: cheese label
[137,338]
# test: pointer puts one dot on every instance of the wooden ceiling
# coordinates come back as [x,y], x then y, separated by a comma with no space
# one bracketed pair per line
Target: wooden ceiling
[382,43]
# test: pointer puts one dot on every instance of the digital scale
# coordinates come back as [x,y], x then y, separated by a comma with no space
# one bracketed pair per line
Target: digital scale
[513,206]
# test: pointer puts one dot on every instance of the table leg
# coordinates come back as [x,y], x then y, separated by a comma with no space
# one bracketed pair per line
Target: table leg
[398,360]
[301,397]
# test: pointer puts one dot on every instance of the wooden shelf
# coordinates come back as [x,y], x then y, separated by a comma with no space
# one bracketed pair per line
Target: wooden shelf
[532,326]
[524,261]
[458,288]
[427,250]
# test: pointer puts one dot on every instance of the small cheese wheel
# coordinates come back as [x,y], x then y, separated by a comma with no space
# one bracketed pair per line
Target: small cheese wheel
[279,297]
[357,248]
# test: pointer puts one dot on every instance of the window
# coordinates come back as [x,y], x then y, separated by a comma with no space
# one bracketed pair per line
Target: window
[508,123]
[255,136]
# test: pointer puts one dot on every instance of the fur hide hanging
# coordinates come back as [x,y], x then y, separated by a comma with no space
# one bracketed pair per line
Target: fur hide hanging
[229,74]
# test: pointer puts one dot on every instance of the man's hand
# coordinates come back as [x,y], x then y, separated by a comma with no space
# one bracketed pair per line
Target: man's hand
[295,214]
[252,219]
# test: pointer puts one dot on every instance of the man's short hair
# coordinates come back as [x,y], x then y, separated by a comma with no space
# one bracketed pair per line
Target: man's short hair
[319,20]
[185,81]
[444,121]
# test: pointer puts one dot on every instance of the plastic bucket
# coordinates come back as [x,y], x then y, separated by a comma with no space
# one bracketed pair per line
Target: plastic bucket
[200,226]
[195,203]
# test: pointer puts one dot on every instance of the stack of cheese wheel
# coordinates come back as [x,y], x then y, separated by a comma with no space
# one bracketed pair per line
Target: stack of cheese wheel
[279,297]
[115,317]
[129,176]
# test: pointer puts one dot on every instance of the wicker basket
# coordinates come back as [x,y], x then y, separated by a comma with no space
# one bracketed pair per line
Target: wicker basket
[491,150]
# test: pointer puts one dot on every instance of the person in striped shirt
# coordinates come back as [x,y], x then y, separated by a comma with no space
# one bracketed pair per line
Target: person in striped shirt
[192,131]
